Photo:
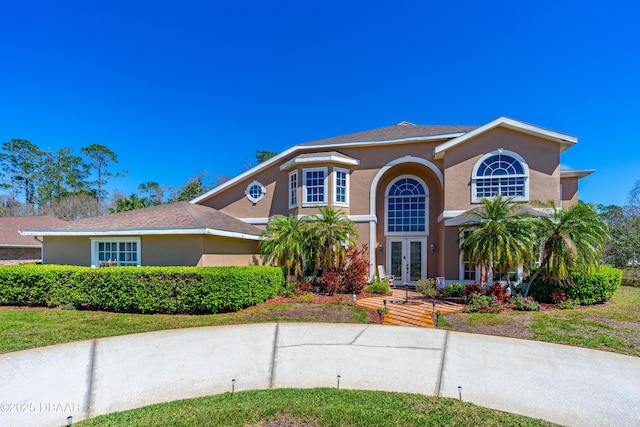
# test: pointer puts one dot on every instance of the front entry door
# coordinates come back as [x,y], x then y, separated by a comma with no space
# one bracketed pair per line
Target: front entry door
[407,260]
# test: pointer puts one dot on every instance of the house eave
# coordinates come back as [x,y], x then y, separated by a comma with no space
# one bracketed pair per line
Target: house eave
[563,139]
[305,148]
[575,173]
[298,161]
[142,232]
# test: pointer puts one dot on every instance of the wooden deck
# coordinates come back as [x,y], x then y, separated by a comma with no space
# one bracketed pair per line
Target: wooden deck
[417,312]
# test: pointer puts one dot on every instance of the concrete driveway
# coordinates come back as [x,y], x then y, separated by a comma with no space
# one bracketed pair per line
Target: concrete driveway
[567,385]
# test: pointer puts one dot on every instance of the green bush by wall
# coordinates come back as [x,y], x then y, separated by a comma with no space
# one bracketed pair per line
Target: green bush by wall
[140,289]
[596,288]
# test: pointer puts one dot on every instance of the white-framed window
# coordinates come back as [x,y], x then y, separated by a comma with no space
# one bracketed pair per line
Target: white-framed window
[314,187]
[293,190]
[341,187]
[407,206]
[255,192]
[500,172]
[115,251]
[469,270]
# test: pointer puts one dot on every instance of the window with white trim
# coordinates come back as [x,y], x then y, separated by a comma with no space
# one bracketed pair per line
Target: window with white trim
[111,252]
[293,190]
[469,270]
[341,187]
[407,204]
[255,192]
[314,187]
[503,173]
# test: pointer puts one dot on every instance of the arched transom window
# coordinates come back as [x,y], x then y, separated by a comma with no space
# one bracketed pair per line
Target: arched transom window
[407,206]
[501,172]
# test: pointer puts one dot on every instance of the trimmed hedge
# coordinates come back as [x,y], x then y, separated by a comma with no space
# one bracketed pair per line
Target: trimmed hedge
[140,289]
[595,288]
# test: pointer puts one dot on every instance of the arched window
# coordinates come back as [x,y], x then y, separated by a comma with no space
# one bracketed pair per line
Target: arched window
[407,206]
[500,172]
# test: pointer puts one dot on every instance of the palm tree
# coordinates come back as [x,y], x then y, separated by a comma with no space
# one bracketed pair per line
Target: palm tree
[330,231]
[499,236]
[568,239]
[284,243]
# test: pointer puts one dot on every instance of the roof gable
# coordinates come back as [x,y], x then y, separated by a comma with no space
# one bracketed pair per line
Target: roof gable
[403,132]
[564,140]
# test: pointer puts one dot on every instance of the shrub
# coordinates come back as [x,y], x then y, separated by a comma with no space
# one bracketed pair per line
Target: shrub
[631,276]
[301,288]
[307,298]
[595,288]
[472,289]
[453,290]
[483,304]
[497,291]
[355,275]
[525,304]
[140,289]
[331,281]
[379,287]
[427,286]
[558,297]
[567,304]
[287,289]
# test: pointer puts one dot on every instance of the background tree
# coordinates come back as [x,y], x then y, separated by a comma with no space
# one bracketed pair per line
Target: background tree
[153,191]
[73,206]
[262,155]
[22,166]
[193,188]
[499,236]
[133,202]
[622,248]
[63,173]
[101,158]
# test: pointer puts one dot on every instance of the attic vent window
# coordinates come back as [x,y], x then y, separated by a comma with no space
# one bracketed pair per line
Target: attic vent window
[255,192]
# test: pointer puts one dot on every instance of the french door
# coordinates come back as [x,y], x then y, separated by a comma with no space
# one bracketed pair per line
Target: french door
[407,259]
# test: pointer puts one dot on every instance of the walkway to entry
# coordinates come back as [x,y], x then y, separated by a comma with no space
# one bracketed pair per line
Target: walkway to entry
[409,308]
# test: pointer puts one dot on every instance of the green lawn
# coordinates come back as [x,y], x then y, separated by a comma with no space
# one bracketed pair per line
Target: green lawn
[35,327]
[614,326]
[315,407]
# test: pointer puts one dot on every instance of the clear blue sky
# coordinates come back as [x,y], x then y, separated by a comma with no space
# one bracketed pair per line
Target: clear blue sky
[174,87]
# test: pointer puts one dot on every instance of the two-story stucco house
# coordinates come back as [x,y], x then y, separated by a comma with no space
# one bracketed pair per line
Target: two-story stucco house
[403,185]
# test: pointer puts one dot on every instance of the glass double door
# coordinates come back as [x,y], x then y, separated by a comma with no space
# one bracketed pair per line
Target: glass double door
[407,259]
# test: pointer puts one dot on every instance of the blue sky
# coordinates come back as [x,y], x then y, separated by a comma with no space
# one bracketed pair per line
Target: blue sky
[178,87]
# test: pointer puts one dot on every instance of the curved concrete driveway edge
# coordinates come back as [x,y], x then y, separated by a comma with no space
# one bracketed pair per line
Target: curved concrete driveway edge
[566,385]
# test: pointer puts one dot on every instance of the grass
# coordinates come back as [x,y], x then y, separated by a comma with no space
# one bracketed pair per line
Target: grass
[27,328]
[614,326]
[314,407]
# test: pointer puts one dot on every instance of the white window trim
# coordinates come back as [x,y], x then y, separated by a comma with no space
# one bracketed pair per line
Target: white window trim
[518,157]
[426,207]
[95,262]
[461,264]
[335,186]
[304,187]
[293,203]
[251,198]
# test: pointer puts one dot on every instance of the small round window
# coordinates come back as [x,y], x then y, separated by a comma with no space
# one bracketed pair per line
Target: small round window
[255,191]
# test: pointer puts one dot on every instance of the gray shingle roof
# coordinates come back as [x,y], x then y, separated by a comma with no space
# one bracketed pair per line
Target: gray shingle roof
[400,131]
[170,216]
[10,227]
